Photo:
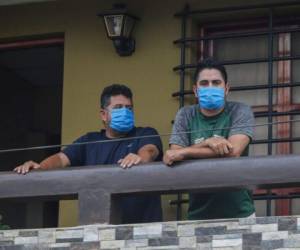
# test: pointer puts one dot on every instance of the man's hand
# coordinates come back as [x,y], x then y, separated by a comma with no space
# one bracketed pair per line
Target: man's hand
[130,160]
[26,167]
[173,155]
[219,145]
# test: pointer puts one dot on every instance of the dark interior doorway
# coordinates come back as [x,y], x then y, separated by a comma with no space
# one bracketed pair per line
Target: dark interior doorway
[31,77]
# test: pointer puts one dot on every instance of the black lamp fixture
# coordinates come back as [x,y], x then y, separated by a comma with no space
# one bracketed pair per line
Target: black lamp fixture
[119,25]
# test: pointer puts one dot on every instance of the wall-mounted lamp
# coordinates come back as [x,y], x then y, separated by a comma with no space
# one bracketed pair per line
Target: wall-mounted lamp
[119,25]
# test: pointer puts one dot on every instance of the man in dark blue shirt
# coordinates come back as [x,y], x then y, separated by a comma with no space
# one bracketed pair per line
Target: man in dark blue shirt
[118,119]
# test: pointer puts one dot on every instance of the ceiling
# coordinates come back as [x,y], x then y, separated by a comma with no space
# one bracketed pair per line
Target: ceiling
[14,2]
[37,66]
[42,66]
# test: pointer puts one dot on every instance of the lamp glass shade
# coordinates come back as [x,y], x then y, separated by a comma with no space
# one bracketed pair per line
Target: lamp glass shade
[128,26]
[113,25]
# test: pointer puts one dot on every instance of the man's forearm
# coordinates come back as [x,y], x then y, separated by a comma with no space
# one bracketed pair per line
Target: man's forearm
[194,152]
[213,147]
[58,160]
[148,153]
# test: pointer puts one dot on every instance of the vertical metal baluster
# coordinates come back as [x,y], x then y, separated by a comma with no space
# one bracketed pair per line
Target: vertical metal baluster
[182,87]
[270,95]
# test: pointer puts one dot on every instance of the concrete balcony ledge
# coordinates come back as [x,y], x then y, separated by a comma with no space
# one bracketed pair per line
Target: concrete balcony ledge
[244,233]
[98,188]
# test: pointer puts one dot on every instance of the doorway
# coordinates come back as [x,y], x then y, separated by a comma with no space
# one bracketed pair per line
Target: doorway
[31,77]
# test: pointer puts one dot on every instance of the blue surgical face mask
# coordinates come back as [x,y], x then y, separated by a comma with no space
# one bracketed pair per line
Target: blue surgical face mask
[211,98]
[122,120]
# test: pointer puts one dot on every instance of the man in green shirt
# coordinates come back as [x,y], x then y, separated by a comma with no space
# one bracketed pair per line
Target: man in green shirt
[204,139]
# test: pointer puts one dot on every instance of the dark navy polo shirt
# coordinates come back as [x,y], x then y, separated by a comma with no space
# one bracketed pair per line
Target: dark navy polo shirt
[135,209]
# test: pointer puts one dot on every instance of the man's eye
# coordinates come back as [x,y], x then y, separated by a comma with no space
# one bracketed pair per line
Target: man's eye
[203,83]
[117,107]
[122,106]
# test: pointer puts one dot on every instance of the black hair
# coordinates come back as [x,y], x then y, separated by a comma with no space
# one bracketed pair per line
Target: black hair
[113,90]
[210,63]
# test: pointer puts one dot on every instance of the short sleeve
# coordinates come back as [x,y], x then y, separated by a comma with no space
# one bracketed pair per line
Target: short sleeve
[180,127]
[155,140]
[76,151]
[242,121]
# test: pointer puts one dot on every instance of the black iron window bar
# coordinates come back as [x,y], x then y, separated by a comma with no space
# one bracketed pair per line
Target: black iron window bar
[270,32]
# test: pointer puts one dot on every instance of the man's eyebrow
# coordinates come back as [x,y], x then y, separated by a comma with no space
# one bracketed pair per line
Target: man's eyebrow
[122,105]
[214,80]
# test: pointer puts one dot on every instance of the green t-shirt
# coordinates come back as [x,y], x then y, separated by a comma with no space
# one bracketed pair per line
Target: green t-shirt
[233,204]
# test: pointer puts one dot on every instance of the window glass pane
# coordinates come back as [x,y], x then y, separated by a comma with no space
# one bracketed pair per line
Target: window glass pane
[296,133]
[128,26]
[241,48]
[296,66]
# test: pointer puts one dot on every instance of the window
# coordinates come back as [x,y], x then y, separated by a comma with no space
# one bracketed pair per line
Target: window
[260,48]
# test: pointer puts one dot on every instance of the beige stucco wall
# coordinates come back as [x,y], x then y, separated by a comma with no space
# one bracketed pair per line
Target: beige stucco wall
[90,61]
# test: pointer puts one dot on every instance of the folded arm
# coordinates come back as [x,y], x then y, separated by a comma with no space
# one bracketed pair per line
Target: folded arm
[210,148]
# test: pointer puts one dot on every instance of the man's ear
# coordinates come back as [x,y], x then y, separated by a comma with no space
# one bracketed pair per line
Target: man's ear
[103,115]
[227,88]
[195,90]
